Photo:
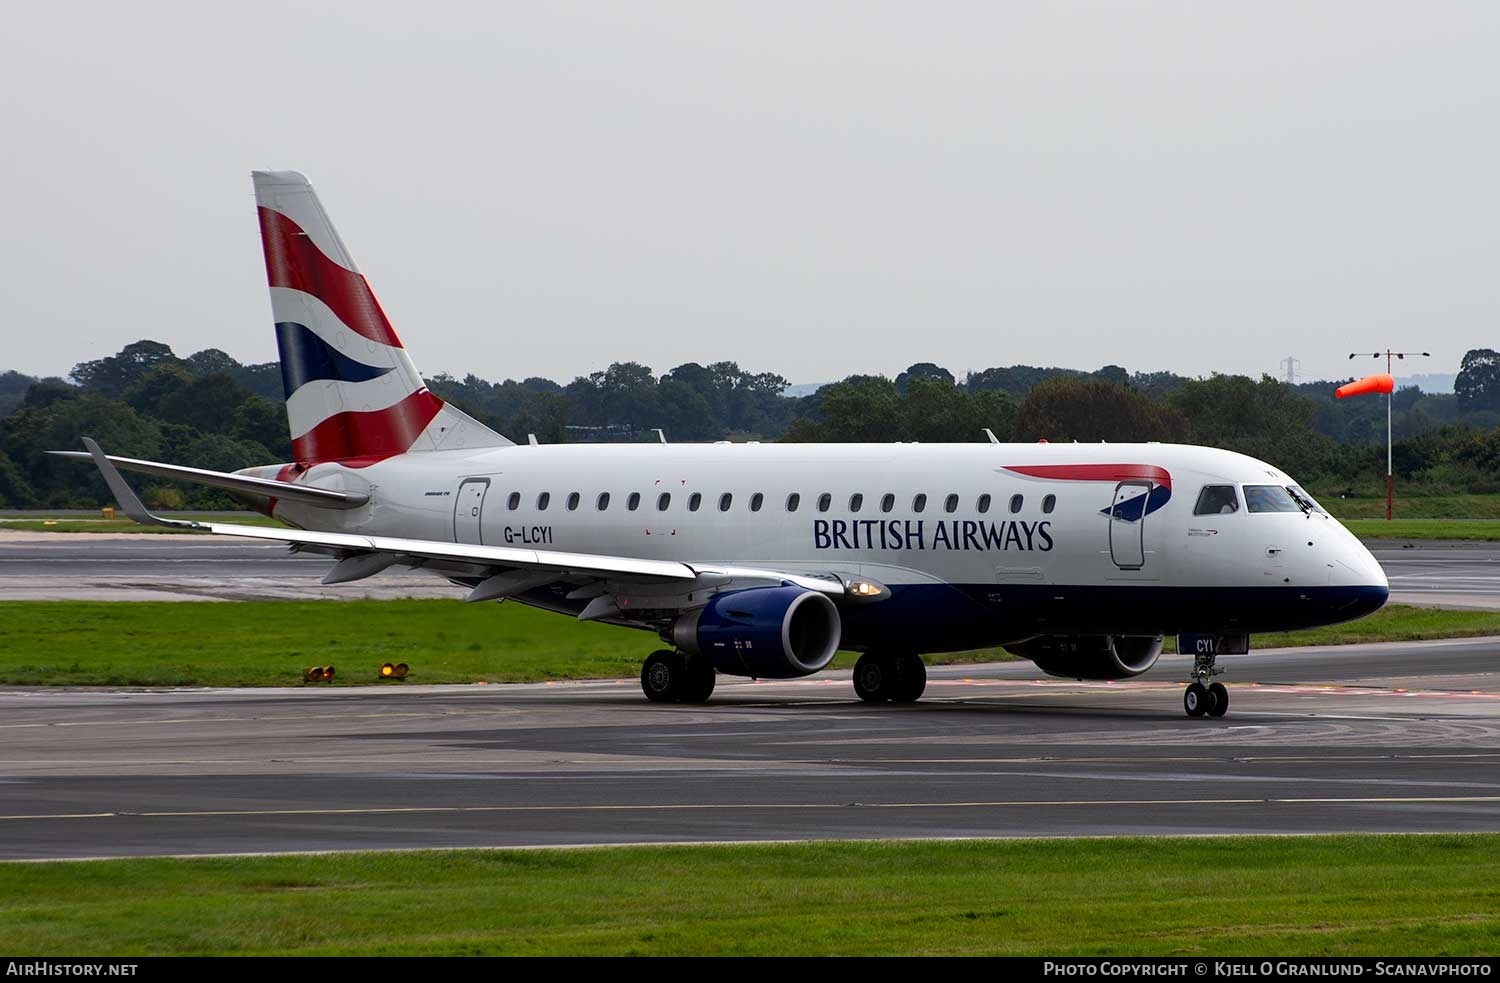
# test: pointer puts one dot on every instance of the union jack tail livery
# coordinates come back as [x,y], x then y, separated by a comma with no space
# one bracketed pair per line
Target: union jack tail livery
[352,392]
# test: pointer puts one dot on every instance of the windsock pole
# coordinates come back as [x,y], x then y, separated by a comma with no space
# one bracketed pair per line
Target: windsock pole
[1387,385]
[1390,481]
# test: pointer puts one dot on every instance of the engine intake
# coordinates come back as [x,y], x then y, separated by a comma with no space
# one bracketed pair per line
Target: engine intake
[765,632]
[1091,656]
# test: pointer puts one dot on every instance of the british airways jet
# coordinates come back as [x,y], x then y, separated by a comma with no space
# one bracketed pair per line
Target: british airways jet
[764,560]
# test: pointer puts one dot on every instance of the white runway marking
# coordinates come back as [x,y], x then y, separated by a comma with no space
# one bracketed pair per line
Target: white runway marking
[759,806]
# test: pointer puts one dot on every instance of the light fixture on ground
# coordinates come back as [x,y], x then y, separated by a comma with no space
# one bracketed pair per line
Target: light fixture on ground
[393,670]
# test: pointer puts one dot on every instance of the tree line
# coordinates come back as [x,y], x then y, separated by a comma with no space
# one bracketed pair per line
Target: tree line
[209,410]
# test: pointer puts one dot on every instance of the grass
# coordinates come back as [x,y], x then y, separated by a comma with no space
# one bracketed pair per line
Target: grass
[1205,897]
[269,643]
[75,523]
[1486,530]
[1413,506]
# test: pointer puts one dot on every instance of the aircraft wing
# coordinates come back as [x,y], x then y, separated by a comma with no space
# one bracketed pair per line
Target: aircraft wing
[303,494]
[505,570]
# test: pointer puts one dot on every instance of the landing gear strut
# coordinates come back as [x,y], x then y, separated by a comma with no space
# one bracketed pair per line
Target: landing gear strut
[676,677]
[897,677]
[1201,696]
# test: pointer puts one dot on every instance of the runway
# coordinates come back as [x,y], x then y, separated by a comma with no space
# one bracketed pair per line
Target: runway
[1397,737]
[130,567]
[1441,574]
[157,567]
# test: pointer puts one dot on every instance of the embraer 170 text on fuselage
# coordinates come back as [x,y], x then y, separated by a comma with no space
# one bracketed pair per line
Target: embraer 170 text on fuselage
[764,559]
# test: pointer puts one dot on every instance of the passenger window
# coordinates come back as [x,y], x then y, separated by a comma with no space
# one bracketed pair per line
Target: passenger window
[824,501]
[725,500]
[694,500]
[983,504]
[1016,501]
[634,501]
[919,503]
[573,498]
[602,502]
[1049,503]
[1218,500]
[663,500]
[950,504]
[887,502]
[543,500]
[514,502]
[856,502]
[756,501]
[792,501]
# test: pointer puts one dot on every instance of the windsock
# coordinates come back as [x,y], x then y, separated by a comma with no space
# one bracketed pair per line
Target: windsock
[1382,383]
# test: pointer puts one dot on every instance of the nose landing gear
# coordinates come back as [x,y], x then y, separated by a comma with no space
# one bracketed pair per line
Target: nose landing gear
[1201,696]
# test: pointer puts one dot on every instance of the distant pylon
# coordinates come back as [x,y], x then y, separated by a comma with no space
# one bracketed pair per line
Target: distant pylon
[1290,364]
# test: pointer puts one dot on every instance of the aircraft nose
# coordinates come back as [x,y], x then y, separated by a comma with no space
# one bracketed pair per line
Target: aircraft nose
[1373,573]
[1361,579]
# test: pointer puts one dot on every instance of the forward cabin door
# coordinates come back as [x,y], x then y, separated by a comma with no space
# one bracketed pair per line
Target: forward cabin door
[467,510]
[1127,524]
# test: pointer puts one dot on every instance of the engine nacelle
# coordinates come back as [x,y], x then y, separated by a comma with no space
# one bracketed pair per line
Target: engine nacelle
[1091,656]
[765,632]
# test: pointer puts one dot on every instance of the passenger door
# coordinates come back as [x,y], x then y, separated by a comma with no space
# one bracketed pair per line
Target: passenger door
[468,509]
[1127,524]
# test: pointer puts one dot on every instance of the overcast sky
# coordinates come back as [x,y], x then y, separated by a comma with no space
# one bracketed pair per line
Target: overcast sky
[812,188]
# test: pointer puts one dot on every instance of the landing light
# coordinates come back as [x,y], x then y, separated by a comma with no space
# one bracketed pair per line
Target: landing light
[866,590]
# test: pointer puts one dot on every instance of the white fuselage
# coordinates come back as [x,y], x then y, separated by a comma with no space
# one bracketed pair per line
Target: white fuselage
[1034,541]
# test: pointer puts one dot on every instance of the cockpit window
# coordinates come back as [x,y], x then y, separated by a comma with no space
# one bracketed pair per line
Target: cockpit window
[1217,500]
[1270,498]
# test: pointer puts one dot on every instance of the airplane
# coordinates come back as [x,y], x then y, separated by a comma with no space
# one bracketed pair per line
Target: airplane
[765,559]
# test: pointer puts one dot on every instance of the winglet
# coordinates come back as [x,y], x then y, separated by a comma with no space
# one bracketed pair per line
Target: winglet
[127,499]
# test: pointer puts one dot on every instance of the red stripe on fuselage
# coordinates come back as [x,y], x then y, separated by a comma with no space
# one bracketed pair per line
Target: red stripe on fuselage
[359,439]
[294,261]
[1098,472]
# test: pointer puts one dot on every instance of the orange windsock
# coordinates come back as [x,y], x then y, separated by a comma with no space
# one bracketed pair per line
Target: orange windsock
[1382,383]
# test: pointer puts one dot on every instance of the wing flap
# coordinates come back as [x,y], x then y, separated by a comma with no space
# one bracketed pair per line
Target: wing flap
[427,549]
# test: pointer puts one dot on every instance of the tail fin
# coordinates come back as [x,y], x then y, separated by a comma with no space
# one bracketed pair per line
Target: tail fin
[352,393]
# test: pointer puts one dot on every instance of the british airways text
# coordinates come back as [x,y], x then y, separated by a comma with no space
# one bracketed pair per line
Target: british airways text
[915,534]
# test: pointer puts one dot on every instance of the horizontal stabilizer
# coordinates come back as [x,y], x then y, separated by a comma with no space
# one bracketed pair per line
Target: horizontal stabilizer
[281,490]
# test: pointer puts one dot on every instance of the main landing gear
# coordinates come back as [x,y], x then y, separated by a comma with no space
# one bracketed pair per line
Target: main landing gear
[1211,699]
[897,677]
[676,677]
